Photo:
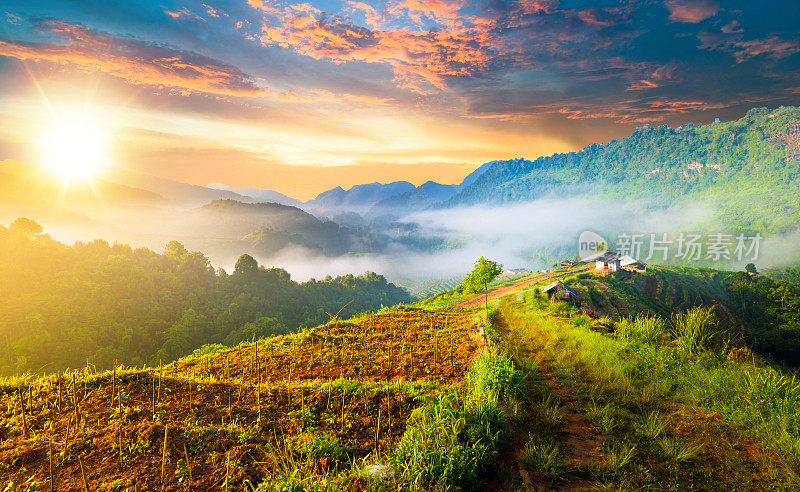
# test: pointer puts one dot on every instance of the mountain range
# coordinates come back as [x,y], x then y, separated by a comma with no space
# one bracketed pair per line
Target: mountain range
[744,171]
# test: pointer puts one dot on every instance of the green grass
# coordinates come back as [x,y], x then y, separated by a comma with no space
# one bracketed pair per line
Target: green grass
[695,330]
[452,439]
[633,385]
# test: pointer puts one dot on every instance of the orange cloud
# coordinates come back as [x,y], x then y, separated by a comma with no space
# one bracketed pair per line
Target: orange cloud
[743,50]
[140,63]
[134,61]
[772,46]
[421,60]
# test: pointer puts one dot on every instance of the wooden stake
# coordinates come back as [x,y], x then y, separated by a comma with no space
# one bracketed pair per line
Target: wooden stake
[188,466]
[24,419]
[52,478]
[66,440]
[59,391]
[227,470]
[164,456]
[113,382]
[378,430]
[83,474]
[160,378]
[75,399]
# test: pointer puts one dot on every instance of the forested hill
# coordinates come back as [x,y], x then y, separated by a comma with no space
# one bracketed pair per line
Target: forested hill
[748,169]
[61,306]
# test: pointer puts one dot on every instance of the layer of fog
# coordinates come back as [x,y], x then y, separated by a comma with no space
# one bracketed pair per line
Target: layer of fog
[528,235]
[513,235]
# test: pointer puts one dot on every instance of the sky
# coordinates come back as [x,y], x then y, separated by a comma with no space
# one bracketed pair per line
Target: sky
[303,97]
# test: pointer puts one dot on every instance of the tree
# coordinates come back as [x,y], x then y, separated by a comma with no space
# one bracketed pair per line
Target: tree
[481,275]
[245,264]
[174,249]
[484,272]
[750,268]
[25,226]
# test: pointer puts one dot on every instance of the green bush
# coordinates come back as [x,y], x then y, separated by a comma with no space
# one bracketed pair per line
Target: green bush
[314,445]
[695,330]
[452,439]
[648,329]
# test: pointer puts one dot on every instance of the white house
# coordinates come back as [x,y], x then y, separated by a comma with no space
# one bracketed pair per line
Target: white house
[609,261]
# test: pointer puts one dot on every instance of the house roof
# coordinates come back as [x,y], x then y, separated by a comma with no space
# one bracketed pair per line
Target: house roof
[559,283]
[609,257]
[623,259]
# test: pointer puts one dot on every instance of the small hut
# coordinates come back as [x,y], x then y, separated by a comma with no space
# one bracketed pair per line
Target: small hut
[558,291]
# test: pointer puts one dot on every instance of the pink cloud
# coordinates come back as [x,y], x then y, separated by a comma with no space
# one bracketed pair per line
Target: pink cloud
[139,63]
[13,18]
[743,50]
[691,11]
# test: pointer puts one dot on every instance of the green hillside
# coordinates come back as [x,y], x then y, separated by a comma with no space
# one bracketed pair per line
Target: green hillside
[653,394]
[747,169]
[61,306]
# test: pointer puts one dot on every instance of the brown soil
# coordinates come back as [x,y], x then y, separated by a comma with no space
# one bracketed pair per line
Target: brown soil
[400,344]
[210,407]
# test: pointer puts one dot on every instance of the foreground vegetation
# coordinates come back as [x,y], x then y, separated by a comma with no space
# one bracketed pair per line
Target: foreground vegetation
[651,389]
[426,417]
[647,402]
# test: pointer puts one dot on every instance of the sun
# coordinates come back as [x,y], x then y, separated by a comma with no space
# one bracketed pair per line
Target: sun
[75,148]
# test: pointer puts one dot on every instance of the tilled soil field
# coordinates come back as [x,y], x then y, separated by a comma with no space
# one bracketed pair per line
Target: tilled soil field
[220,421]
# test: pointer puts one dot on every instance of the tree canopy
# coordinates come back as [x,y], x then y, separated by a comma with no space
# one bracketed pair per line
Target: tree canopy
[61,305]
[481,275]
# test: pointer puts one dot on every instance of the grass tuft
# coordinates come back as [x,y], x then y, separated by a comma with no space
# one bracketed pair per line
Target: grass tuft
[676,451]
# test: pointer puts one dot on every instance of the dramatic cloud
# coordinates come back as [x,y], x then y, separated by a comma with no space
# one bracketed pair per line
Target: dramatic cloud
[134,61]
[160,66]
[420,59]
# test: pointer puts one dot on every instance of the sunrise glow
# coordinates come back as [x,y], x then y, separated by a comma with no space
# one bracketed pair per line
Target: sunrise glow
[74,148]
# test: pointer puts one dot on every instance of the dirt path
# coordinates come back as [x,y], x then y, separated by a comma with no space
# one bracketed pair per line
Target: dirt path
[577,433]
[579,436]
[479,299]
[718,456]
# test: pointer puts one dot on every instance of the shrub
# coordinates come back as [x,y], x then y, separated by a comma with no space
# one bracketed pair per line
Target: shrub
[695,330]
[582,320]
[314,445]
[451,439]
[648,329]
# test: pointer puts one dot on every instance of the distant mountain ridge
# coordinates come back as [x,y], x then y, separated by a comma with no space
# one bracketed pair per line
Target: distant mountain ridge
[358,199]
[178,193]
[425,195]
[748,170]
[258,194]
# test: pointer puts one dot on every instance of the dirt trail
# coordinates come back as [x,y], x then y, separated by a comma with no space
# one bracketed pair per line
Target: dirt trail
[577,433]
[479,299]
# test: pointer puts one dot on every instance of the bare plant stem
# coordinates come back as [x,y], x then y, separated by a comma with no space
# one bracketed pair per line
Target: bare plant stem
[75,400]
[66,440]
[160,379]
[52,477]
[188,466]
[113,382]
[60,398]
